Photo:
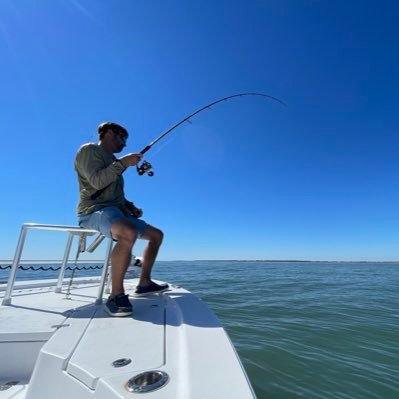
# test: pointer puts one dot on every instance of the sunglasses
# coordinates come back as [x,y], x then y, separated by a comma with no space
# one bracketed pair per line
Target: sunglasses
[121,135]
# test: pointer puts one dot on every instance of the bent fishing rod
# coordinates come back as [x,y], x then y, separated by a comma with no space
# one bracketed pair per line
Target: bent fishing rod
[145,167]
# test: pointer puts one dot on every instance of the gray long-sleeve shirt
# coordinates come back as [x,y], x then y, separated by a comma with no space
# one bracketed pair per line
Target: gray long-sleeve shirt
[100,179]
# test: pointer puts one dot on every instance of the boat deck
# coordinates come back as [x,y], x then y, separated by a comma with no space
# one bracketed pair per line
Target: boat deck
[51,344]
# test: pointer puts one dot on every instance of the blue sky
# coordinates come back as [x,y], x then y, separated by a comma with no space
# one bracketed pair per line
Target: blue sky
[249,179]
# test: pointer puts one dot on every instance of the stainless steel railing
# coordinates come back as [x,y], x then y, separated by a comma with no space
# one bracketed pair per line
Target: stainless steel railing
[73,231]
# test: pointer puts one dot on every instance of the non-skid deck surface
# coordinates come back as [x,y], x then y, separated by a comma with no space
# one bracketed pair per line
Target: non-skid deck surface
[38,311]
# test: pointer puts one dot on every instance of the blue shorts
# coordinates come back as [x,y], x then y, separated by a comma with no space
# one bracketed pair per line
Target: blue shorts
[104,218]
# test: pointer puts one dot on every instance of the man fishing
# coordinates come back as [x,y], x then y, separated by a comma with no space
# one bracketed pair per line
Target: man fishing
[103,207]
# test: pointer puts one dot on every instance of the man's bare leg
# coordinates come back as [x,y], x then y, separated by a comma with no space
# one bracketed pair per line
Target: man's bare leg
[154,237]
[125,233]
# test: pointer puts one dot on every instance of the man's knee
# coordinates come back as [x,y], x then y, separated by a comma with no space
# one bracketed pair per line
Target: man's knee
[124,232]
[158,236]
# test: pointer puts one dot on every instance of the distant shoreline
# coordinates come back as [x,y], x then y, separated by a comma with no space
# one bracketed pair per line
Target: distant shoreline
[38,261]
[282,261]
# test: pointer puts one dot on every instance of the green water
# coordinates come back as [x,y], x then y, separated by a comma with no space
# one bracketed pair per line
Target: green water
[305,330]
[302,330]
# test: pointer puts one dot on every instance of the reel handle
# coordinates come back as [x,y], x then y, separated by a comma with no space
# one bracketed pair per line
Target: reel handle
[144,168]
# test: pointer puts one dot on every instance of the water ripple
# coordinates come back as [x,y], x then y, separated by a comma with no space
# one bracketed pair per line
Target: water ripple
[307,330]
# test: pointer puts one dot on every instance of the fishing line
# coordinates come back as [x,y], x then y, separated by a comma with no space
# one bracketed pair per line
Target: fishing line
[145,167]
[162,146]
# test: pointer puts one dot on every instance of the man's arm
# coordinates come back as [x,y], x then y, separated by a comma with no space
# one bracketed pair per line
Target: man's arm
[90,164]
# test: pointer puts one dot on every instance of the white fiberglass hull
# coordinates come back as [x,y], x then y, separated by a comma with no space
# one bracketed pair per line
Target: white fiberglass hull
[53,347]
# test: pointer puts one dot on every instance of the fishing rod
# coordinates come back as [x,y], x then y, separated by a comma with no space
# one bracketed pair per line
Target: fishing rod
[145,167]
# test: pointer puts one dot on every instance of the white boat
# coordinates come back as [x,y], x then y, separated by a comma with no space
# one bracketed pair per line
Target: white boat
[56,341]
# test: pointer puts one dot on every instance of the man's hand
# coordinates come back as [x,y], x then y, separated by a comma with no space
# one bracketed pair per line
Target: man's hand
[132,159]
[136,212]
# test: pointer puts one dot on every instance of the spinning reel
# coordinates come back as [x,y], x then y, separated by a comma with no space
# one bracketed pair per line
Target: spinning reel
[145,168]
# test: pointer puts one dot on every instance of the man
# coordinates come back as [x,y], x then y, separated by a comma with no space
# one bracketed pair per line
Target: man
[103,207]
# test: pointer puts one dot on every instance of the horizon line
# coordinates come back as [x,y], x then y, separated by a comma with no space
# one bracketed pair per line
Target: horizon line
[10,261]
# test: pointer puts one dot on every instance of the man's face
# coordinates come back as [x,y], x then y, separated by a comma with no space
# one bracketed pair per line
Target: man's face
[118,140]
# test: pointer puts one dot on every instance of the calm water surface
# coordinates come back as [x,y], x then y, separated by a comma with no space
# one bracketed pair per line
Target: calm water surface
[303,330]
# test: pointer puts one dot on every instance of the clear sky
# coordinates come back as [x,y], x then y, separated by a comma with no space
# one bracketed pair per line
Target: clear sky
[249,179]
